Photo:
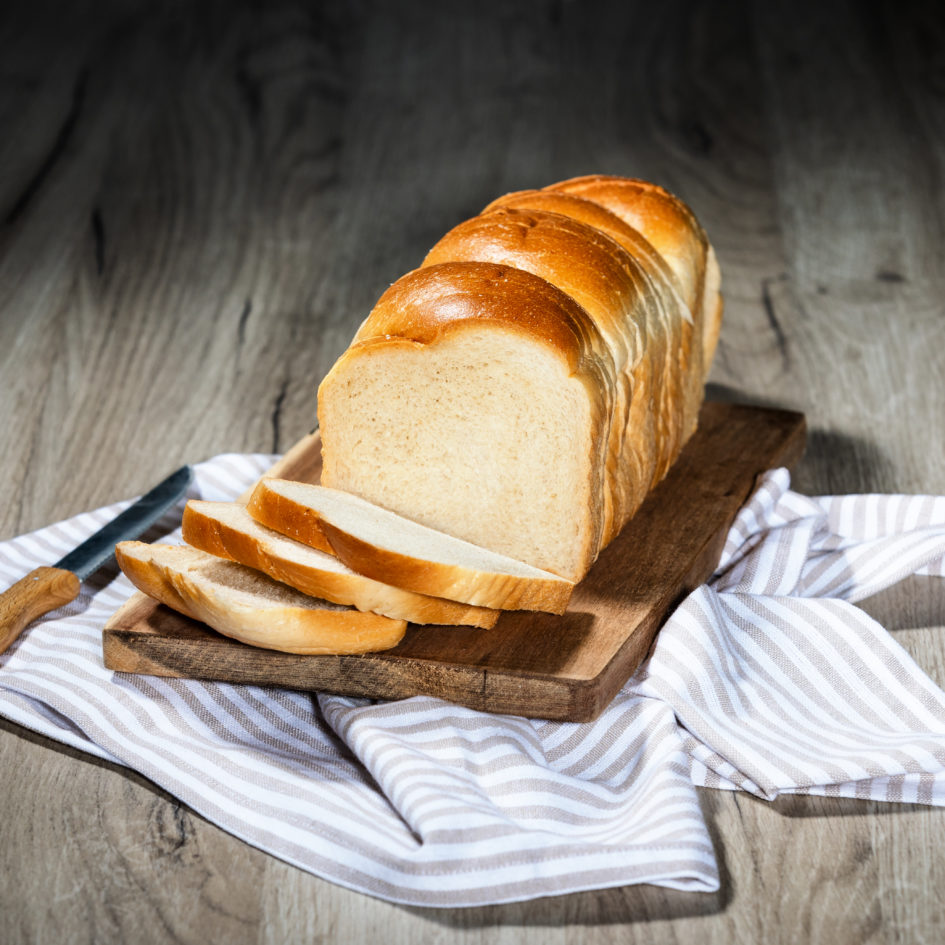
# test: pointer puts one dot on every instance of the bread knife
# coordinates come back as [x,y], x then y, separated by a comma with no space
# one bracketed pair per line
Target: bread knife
[47,588]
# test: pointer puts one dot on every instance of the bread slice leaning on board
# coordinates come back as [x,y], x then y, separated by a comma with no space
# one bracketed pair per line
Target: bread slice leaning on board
[389,548]
[227,530]
[535,378]
[242,603]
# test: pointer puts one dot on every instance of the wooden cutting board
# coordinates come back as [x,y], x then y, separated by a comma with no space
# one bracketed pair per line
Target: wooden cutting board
[538,665]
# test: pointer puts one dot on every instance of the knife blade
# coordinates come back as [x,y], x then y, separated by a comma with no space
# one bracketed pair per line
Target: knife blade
[47,588]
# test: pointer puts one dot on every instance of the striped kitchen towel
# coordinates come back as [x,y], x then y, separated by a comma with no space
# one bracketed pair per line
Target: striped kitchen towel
[768,680]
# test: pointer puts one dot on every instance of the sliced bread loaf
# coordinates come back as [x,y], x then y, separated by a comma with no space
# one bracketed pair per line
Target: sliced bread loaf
[227,530]
[395,550]
[242,603]
[529,385]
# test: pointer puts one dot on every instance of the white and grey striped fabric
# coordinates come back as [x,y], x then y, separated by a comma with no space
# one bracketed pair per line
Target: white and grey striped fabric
[767,680]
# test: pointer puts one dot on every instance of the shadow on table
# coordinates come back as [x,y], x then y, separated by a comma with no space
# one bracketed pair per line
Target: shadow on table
[833,463]
[809,805]
[916,603]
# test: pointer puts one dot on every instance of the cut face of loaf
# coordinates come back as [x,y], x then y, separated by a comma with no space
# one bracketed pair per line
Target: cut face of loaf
[227,530]
[392,549]
[479,404]
[248,606]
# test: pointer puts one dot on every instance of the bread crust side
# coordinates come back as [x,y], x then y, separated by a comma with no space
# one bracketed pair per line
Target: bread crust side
[209,534]
[668,318]
[673,229]
[581,261]
[666,222]
[149,579]
[304,527]
[598,216]
[670,225]
[424,303]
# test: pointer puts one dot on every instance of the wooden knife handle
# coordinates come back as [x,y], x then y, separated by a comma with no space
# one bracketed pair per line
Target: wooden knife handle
[39,592]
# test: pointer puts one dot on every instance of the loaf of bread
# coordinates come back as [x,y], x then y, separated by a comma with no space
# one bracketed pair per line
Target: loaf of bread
[535,378]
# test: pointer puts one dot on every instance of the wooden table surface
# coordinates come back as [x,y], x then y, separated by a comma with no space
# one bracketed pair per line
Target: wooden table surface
[199,203]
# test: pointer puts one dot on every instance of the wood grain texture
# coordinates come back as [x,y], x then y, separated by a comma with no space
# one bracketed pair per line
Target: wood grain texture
[198,204]
[542,666]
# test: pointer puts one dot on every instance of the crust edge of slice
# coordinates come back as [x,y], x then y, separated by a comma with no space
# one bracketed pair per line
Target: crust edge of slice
[284,627]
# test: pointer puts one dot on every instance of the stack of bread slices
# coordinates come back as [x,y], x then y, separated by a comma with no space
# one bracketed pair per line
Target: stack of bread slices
[306,569]
[497,419]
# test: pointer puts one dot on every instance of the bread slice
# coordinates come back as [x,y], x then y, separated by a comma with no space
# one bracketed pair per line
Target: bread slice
[242,603]
[389,548]
[227,530]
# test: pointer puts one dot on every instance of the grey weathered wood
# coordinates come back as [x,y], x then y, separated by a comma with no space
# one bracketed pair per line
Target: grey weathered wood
[199,202]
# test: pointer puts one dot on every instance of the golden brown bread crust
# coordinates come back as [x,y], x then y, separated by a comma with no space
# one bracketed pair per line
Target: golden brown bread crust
[151,581]
[301,526]
[425,302]
[216,537]
[595,215]
[672,228]
[580,260]
[664,220]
